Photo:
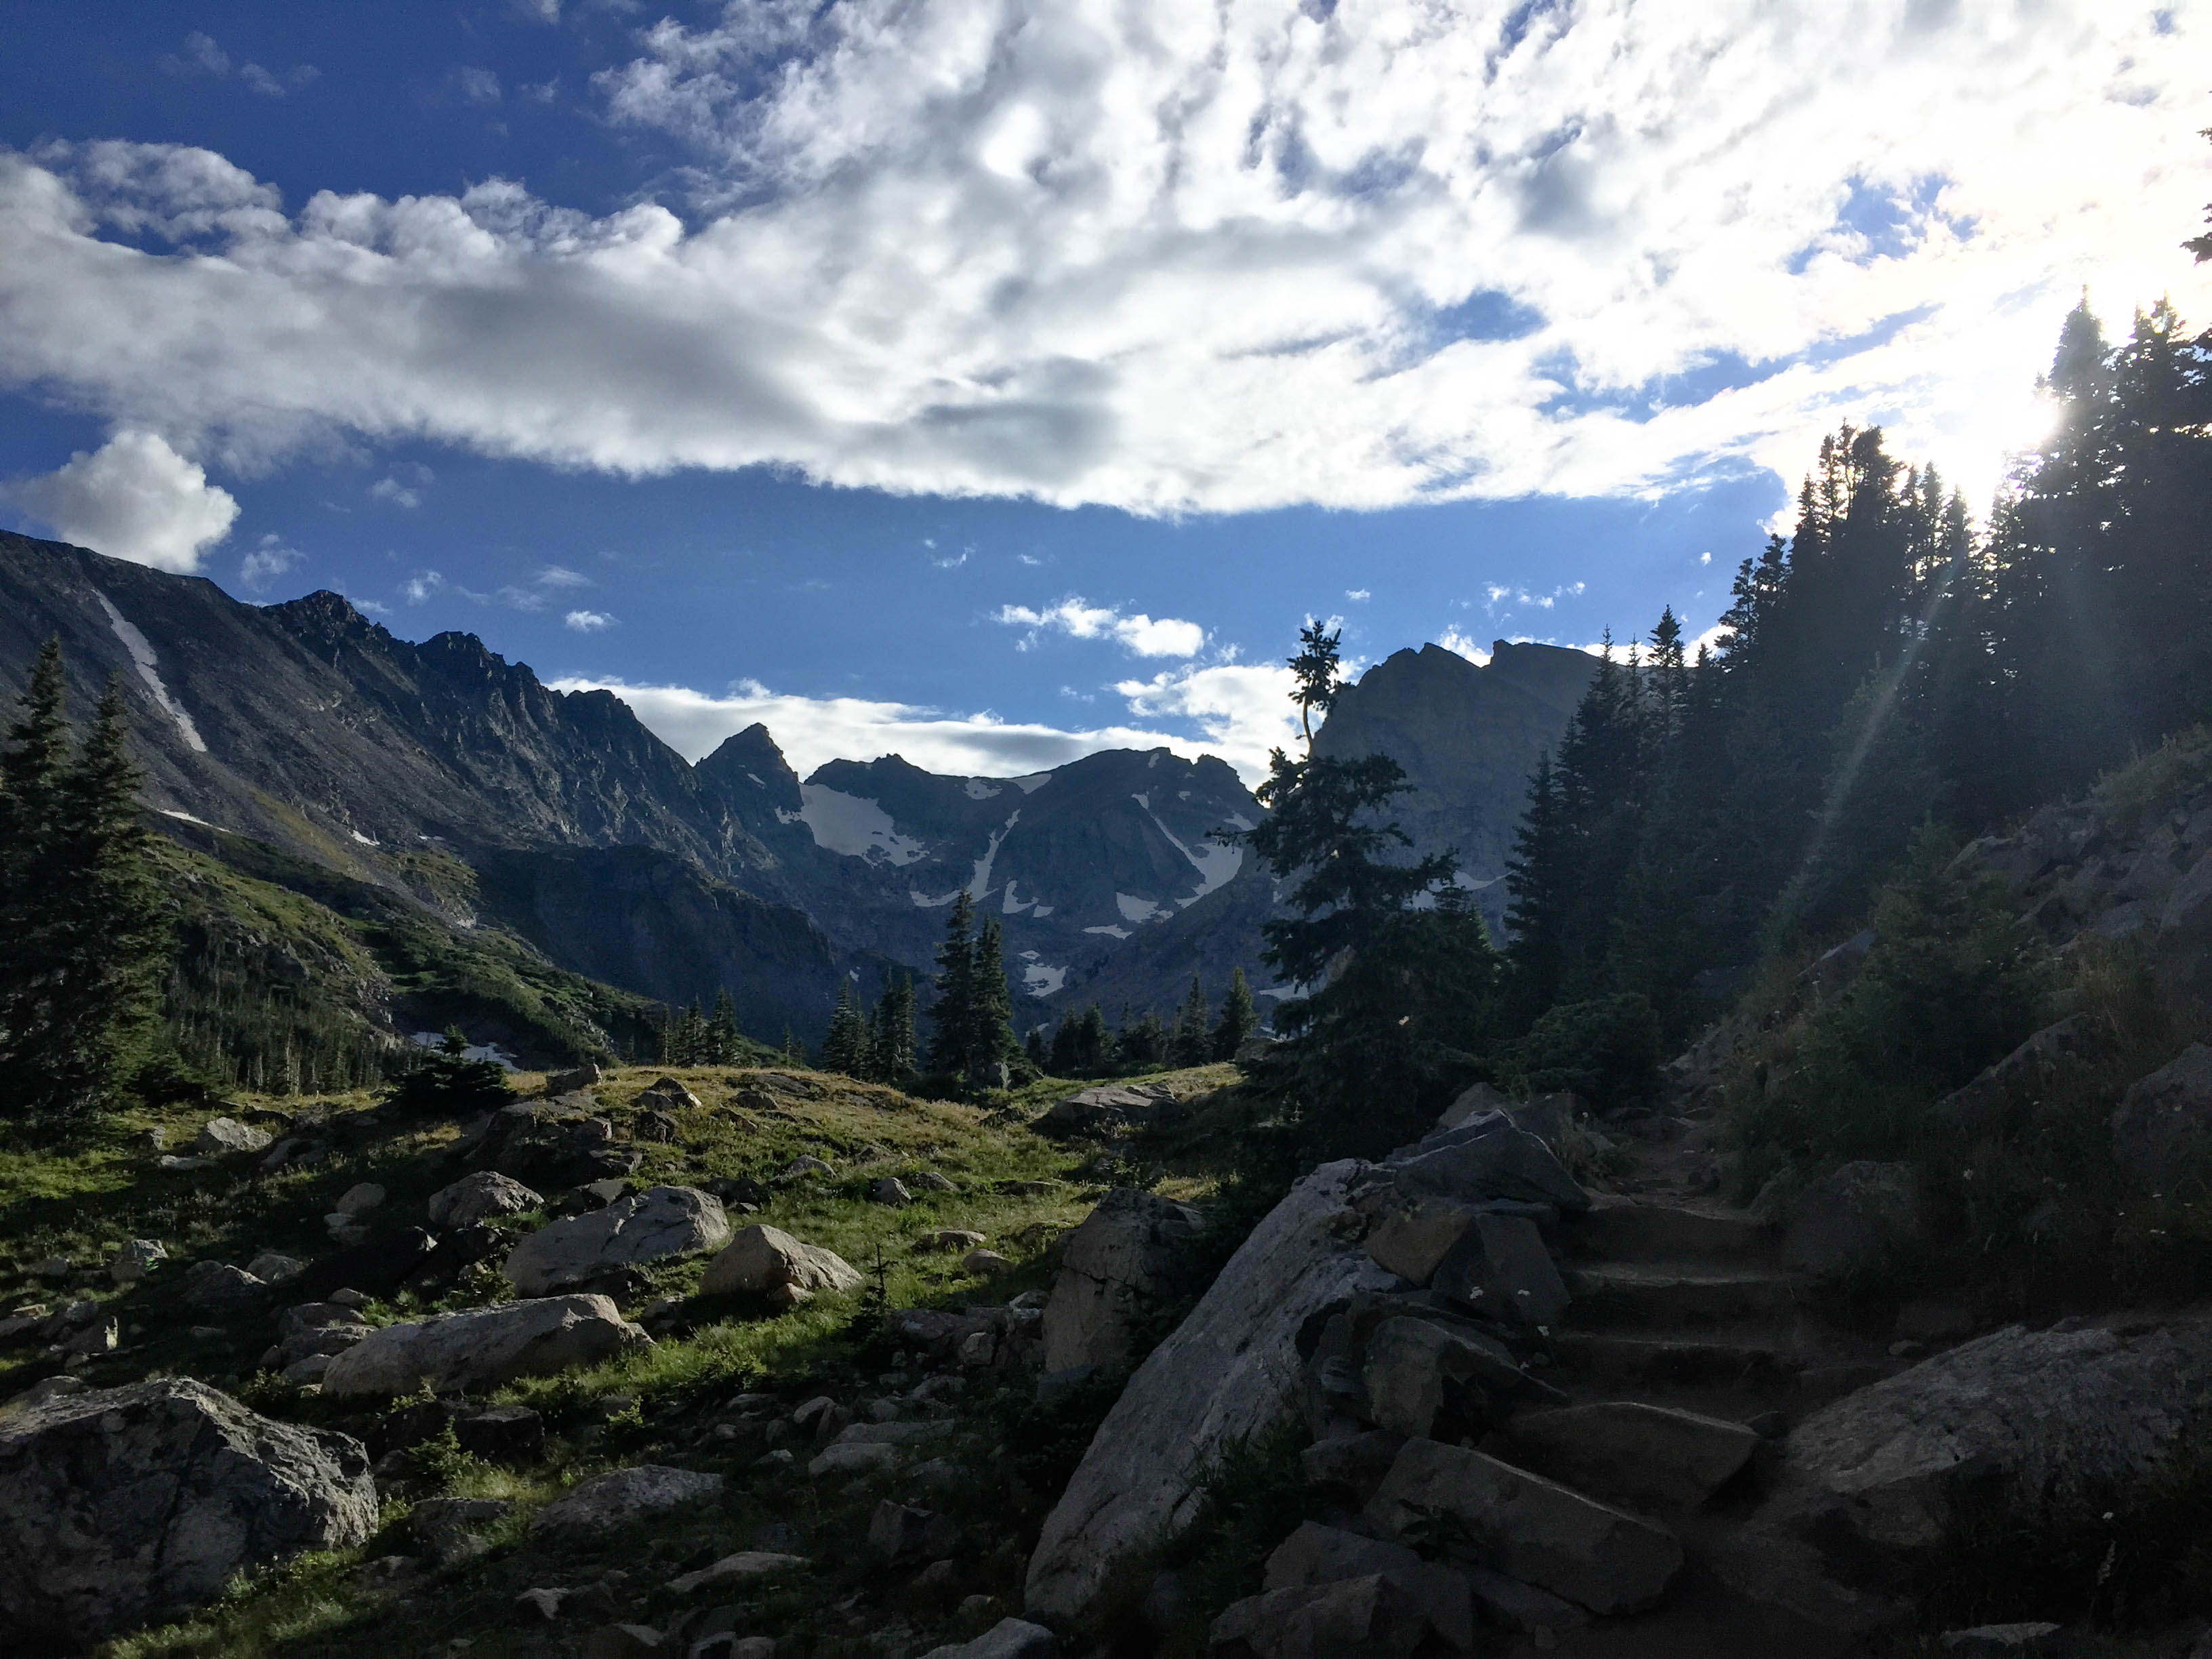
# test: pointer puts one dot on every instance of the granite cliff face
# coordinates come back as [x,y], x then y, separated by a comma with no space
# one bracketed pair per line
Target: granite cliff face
[1468,737]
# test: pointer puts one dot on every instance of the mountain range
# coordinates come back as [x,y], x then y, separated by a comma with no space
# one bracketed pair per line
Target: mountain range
[303,736]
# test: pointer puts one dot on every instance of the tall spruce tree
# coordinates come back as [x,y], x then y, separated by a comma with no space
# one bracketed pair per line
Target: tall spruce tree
[1193,1042]
[845,1049]
[991,1011]
[1239,1018]
[891,1053]
[86,938]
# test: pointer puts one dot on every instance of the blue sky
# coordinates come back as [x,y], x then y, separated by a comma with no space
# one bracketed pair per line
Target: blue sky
[993,382]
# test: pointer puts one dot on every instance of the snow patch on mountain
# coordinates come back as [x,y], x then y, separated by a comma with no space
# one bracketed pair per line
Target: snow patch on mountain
[141,654]
[858,829]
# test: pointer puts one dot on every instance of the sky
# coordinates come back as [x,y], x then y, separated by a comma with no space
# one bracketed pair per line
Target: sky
[994,382]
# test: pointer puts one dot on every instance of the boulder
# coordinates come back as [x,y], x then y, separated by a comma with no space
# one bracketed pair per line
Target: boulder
[272,1267]
[2184,941]
[1111,1271]
[768,1264]
[1500,1265]
[1010,1638]
[1487,1158]
[986,1264]
[220,1136]
[479,1348]
[216,1287]
[360,1199]
[898,1533]
[1317,1554]
[2019,1416]
[889,1190]
[648,1226]
[479,1197]
[2022,1076]
[570,1081]
[1535,1530]
[376,1267]
[1850,1217]
[1101,1109]
[1479,1101]
[802,1167]
[739,1569]
[451,1529]
[929,1181]
[502,1434]
[2163,1127]
[949,1238]
[1632,1453]
[1231,1369]
[1416,1371]
[1414,1231]
[2006,1641]
[138,1258]
[119,1507]
[622,1496]
[1372,1616]
[547,1143]
[666,1094]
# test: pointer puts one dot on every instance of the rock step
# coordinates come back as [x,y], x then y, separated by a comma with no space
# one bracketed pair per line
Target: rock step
[1608,1294]
[1629,1230]
[1674,1357]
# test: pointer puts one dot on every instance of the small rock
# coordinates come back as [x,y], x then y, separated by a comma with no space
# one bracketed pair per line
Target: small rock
[223,1135]
[569,1082]
[986,1264]
[616,1498]
[218,1287]
[546,1602]
[856,1458]
[176,1165]
[345,1297]
[667,1092]
[502,1434]
[929,1181]
[53,1269]
[623,1642]
[897,1532]
[98,1338]
[800,1167]
[1499,1264]
[607,1191]
[1370,1614]
[949,1238]
[741,1568]
[135,1260]
[1010,1638]
[1907,1350]
[271,1268]
[658,1127]
[360,1199]
[477,1348]
[451,1529]
[889,1190]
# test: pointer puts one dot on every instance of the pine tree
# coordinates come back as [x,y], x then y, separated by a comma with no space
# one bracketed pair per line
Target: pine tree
[991,1011]
[34,775]
[723,1038]
[891,1053]
[1060,1059]
[845,1049]
[953,1015]
[794,1051]
[1239,1018]
[1091,1043]
[1192,1043]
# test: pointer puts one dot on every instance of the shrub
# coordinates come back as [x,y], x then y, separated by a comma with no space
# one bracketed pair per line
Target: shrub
[1607,1050]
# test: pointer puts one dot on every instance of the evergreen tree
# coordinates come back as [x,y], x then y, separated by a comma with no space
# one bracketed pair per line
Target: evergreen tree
[794,1051]
[723,1038]
[891,1053]
[1092,1043]
[953,1015]
[845,1049]
[1060,1055]
[87,936]
[1192,1043]
[1038,1050]
[991,1010]
[1239,1018]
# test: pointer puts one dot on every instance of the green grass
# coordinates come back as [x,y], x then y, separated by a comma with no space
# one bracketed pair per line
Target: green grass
[1008,1457]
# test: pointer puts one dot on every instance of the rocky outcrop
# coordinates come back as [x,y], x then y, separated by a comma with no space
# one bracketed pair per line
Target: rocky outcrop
[1996,1094]
[1233,1368]
[648,1226]
[220,1137]
[767,1265]
[1850,1217]
[1109,1277]
[1485,1158]
[120,1506]
[1104,1108]
[2022,1416]
[480,1346]
[2162,1131]
[1632,1452]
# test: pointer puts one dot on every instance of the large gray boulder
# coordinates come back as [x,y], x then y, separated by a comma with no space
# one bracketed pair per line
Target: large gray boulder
[622,1496]
[1231,1369]
[480,1346]
[1414,1366]
[766,1264]
[1536,1530]
[1373,1616]
[2018,1414]
[2163,1127]
[1501,1266]
[479,1197]
[1487,1158]
[648,1226]
[2027,1072]
[1010,1638]
[1107,1106]
[1317,1554]
[1850,1217]
[219,1137]
[1110,1274]
[122,1506]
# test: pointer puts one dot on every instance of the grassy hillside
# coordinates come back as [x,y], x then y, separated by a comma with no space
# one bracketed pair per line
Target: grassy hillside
[707,1394]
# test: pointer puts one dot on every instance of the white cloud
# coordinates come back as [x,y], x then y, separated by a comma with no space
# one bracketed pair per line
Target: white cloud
[1357,595]
[1170,257]
[420,585]
[556,575]
[1140,634]
[265,562]
[589,621]
[813,730]
[133,498]
[478,86]
[399,495]
[1455,640]
[1243,708]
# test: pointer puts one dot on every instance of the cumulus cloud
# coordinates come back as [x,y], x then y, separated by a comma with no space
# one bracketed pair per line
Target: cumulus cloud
[813,730]
[589,621]
[267,562]
[1139,633]
[1170,257]
[1464,644]
[420,585]
[133,498]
